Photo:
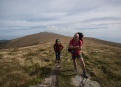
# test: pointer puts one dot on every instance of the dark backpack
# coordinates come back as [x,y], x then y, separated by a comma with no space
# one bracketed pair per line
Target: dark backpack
[69,50]
[80,35]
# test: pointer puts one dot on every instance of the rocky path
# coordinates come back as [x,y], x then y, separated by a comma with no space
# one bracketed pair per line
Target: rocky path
[77,80]
[52,80]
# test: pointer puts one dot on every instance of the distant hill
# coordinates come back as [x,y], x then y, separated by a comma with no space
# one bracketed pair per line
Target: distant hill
[33,39]
[44,37]
[103,42]
[3,40]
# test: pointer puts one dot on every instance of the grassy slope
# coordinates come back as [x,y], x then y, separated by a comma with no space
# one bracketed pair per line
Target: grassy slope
[103,63]
[31,40]
[22,67]
[27,66]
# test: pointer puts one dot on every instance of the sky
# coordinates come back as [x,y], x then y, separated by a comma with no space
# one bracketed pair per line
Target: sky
[94,18]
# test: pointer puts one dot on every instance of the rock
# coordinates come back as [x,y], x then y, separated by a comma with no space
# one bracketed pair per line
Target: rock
[78,81]
[48,82]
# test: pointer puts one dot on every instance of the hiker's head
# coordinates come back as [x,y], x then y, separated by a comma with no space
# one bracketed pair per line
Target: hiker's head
[76,36]
[80,35]
[57,41]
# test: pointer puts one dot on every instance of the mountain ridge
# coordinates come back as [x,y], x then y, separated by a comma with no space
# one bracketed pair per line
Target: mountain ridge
[33,39]
[44,37]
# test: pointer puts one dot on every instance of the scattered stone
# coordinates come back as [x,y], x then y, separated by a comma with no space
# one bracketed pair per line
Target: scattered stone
[78,81]
[48,82]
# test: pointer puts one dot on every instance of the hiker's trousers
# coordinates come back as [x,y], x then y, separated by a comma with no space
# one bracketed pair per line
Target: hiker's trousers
[58,55]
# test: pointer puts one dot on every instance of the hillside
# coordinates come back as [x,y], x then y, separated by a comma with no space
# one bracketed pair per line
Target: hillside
[44,37]
[33,39]
[31,63]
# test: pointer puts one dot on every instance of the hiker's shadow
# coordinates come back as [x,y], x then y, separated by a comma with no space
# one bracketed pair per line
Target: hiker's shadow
[69,72]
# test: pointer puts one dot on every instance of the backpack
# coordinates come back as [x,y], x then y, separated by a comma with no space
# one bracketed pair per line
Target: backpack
[80,35]
[69,50]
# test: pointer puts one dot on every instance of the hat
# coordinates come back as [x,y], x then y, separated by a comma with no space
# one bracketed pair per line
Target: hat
[57,40]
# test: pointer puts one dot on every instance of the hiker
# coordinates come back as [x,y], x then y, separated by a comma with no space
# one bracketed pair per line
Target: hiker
[58,48]
[75,46]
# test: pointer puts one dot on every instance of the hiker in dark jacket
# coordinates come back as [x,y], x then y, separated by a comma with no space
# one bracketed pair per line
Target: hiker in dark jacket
[58,48]
[76,46]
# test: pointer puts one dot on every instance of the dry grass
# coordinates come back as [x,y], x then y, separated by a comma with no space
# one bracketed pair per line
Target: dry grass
[34,39]
[103,63]
[21,67]
[25,66]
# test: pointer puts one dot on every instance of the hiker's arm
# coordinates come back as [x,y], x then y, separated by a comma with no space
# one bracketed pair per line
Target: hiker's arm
[73,47]
[54,48]
[80,47]
[61,48]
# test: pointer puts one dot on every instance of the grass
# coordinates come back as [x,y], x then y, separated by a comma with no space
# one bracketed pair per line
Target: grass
[39,72]
[22,67]
[66,70]
[25,66]
[1,55]
[103,64]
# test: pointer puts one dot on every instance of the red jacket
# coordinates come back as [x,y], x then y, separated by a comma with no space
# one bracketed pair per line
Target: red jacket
[76,51]
[58,47]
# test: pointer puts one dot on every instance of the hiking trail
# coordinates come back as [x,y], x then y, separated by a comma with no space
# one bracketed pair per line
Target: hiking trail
[76,79]
[52,80]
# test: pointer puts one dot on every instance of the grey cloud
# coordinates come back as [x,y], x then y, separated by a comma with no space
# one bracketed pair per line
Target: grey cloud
[103,19]
[88,16]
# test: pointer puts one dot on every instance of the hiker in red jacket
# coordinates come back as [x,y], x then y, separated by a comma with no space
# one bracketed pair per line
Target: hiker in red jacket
[76,46]
[58,48]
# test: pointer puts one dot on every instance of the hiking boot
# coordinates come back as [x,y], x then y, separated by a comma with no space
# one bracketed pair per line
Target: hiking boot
[85,75]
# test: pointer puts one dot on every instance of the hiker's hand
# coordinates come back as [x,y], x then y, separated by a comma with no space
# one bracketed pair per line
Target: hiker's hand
[76,47]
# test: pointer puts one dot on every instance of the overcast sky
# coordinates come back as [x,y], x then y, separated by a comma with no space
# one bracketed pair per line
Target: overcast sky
[95,18]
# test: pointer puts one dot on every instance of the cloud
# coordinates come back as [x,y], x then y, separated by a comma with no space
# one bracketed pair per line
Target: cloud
[96,18]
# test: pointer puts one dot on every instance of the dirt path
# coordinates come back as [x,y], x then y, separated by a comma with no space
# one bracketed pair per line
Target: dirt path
[69,78]
[77,80]
[55,73]
[52,80]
